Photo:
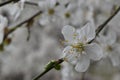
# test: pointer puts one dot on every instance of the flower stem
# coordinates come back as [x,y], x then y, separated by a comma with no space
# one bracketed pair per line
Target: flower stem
[83,76]
[59,61]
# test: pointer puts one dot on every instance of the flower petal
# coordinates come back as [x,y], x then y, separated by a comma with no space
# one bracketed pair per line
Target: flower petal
[70,55]
[115,59]
[82,64]
[3,22]
[101,39]
[94,51]
[68,32]
[87,32]
[1,36]
[22,3]
[111,38]
[108,39]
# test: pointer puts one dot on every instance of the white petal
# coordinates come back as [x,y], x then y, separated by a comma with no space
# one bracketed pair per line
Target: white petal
[82,64]
[43,5]
[44,21]
[68,33]
[102,39]
[115,58]
[70,56]
[1,37]
[66,50]
[51,3]
[116,47]
[87,32]
[111,38]
[22,2]
[46,4]
[14,11]
[16,16]
[94,51]
[3,22]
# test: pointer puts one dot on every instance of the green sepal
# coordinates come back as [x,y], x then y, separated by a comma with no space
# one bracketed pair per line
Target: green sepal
[57,67]
[50,64]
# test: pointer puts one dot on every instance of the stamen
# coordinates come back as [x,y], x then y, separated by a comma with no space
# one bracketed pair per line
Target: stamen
[79,47]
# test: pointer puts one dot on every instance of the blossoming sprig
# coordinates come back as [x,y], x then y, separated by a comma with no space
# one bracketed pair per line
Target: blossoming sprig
[98,30]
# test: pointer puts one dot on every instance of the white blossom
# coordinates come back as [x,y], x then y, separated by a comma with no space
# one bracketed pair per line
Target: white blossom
[79,52]
[110,47]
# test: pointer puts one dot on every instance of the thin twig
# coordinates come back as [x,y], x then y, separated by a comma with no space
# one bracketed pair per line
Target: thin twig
[7,2]
[47,70]
[10,1]
[19,25]
[31,3]
[83,76]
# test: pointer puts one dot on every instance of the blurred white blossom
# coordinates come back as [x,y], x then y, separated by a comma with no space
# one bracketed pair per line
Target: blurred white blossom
[110,47]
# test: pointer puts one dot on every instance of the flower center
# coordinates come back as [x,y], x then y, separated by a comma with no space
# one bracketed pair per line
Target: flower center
[109,48]
[67,15]
[51,11]
[79,47]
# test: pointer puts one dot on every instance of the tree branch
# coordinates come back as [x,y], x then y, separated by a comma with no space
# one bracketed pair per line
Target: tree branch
[59,61]
[10,1]
[7,2]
